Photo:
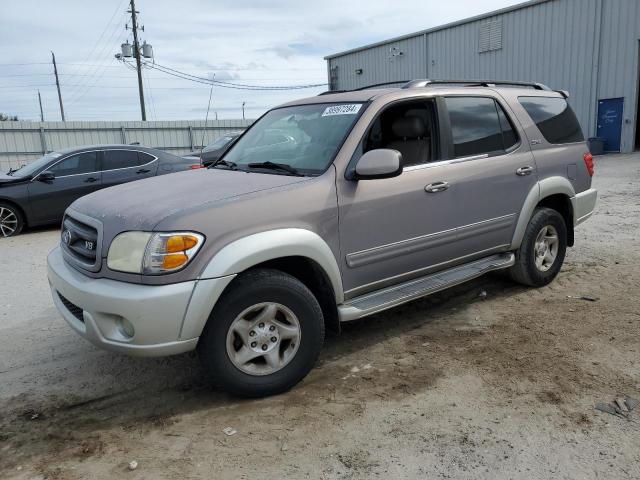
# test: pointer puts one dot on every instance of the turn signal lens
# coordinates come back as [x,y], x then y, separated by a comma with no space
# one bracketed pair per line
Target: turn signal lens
[174,260]
[180,243]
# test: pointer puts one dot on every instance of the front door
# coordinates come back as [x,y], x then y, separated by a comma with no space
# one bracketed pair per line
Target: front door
[610,123]
[393,229]
[75,176]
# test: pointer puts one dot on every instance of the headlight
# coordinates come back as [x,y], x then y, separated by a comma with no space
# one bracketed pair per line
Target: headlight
[153,253]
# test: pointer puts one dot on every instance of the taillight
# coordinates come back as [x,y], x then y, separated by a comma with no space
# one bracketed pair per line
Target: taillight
[588,161]
[196,166]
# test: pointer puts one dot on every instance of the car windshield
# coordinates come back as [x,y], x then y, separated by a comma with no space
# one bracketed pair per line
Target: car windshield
[219,143]
[36,166]
[303,138]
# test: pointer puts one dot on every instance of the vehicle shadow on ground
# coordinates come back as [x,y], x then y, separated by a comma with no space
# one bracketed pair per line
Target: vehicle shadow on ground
[167,387]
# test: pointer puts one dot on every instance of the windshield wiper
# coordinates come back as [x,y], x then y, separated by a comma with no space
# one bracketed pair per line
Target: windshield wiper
[229,165]
[276,166]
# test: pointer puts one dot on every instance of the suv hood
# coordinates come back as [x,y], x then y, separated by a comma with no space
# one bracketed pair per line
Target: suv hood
[142,204]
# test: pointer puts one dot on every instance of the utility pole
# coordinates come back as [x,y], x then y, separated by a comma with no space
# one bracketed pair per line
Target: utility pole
[55,71]
[136,52]
[40,102]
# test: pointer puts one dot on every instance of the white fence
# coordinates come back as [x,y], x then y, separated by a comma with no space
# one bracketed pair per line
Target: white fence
[22,142]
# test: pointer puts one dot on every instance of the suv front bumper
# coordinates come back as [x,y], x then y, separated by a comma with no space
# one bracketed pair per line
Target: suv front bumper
[141,320]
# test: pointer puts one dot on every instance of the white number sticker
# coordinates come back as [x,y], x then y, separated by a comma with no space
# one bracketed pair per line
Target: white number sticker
[350,109]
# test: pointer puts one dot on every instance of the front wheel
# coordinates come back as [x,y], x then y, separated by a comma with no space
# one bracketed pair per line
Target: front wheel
[541,254]
[263,336]
[11,221]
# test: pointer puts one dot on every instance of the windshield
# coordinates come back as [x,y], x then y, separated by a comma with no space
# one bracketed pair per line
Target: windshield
[304,137]
[219,143]
[36,166]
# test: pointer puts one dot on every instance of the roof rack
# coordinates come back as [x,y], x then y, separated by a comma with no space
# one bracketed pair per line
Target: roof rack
[329,92]
[385,84]
[473,83]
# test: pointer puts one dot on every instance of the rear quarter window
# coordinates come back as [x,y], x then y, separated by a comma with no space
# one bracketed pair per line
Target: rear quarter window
[554,118]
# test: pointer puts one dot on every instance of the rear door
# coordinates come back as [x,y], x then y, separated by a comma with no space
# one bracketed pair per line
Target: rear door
[124,165]
[75,175]
[494,171]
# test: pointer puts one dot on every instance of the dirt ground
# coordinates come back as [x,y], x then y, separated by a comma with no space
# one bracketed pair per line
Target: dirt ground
[453,386]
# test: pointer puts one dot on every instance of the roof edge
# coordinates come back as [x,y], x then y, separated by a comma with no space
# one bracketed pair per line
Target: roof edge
[455,23]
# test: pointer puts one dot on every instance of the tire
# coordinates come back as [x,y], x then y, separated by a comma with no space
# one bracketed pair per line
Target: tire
[525,270]
[11,220]
[262,310]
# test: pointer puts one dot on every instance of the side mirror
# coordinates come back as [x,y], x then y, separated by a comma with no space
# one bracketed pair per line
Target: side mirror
[379,163]
[46,177]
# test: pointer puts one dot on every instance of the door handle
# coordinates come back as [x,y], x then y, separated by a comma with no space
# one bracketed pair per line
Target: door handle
[91,180]
[143,170]
[522,171]
[436,187]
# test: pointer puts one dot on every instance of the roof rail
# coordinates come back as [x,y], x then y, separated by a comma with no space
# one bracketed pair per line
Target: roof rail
[473,83]
[381,85]
[329,92]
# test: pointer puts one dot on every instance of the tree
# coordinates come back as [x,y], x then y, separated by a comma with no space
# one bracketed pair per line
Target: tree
[8,118]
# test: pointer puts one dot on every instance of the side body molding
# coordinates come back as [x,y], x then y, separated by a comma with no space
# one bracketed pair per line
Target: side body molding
[544,188]
[247,252]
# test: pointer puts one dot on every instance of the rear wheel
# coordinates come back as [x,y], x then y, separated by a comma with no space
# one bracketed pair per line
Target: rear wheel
[263,336]
[543,248]
[11,221]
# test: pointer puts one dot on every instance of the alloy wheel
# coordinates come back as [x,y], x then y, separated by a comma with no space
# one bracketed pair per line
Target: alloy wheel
[8,222]
[546,248]
[263,338]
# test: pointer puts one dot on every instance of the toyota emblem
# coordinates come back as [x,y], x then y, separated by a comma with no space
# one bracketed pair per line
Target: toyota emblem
[66,237]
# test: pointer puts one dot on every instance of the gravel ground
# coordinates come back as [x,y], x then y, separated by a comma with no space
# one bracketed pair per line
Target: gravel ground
[452,386]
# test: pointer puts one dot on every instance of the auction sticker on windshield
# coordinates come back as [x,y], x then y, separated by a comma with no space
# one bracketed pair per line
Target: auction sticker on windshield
[350,109]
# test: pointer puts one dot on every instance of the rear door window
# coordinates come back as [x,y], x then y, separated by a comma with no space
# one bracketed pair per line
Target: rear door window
[115,159]
[554,118]
[145,158]
[475,126]
[76,164]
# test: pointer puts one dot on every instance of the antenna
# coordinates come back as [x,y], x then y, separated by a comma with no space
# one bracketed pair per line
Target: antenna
[206,118]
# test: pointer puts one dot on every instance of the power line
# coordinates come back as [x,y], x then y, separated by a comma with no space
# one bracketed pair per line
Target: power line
[98,70]
[232,85]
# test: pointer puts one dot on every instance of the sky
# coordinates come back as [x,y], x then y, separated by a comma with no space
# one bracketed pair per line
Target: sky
[250,42]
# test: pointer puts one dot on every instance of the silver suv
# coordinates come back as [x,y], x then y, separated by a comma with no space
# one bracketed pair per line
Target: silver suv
[380,197]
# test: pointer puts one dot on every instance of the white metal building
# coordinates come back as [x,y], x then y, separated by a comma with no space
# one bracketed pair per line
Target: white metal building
[589,47]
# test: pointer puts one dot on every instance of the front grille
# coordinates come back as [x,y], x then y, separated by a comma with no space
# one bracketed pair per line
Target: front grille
[80,241]
[75,310]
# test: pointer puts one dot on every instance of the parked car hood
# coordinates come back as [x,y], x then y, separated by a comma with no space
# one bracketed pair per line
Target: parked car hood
[143,204]
[5,179]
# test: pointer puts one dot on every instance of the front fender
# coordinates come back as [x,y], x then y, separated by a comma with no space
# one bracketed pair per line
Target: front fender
[247,252]
[544,188]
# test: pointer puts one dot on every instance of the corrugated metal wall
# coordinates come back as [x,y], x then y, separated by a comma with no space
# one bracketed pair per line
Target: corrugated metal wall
[21,142]
[589,47]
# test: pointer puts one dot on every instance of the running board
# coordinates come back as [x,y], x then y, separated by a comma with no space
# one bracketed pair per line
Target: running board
[389,297]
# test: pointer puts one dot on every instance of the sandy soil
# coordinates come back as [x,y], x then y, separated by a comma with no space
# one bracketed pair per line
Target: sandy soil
[453,386]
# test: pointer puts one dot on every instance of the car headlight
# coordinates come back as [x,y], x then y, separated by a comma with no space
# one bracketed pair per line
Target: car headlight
[153,253]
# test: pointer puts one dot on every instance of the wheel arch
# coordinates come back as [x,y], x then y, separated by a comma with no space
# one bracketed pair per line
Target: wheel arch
[553,192]
[298,252]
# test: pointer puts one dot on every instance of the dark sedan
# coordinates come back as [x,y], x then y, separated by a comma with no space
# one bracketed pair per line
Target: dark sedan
[214,151]
[40,192]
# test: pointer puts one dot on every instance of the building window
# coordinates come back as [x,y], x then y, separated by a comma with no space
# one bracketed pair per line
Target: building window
[490,36]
